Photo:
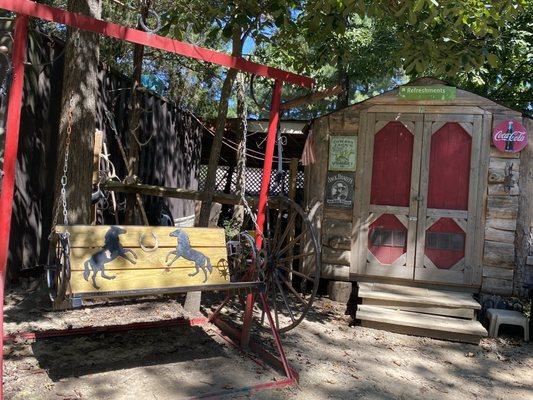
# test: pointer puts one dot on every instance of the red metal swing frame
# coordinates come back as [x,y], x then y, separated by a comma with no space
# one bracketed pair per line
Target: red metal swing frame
[25,9]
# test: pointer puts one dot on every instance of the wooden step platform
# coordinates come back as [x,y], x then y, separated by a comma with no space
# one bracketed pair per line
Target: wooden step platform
[435,326]
[419,311]
[426,296]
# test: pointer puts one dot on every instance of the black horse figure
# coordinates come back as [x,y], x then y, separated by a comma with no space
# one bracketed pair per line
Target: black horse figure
[183,249]
[111,250]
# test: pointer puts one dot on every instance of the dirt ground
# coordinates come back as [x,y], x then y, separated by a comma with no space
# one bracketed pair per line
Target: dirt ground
[335,360]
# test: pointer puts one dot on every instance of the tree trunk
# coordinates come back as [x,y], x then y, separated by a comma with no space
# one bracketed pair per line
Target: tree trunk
[238,210]
[343,99]
[135,119]
[80,92]
[219,133]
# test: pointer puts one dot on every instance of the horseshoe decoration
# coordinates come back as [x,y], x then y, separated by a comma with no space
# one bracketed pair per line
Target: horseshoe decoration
[147,249]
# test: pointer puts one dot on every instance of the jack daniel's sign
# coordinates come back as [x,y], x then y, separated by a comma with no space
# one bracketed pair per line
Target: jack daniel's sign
[509,136]
[340,187]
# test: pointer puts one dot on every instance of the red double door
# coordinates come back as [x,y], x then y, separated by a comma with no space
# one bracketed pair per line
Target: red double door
[420,195]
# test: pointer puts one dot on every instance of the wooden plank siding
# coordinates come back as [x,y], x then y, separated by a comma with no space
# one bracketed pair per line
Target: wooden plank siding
[502,204]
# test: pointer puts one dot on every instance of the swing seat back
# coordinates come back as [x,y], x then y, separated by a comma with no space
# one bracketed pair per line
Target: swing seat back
[118,261]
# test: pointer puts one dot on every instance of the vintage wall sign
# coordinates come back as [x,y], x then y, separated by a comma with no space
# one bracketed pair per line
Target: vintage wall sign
[342,153]
[509,136]
[436,92]
[340,189]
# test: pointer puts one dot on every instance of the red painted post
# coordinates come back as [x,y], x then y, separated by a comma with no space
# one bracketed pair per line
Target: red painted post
[277,338]
[263,197]
[267,166]
[10,161]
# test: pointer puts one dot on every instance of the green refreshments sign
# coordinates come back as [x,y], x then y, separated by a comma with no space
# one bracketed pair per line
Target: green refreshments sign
[342,153]
[427,93]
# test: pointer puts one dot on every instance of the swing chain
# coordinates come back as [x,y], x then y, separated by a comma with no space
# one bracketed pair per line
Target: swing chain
[63,192]
[65,166]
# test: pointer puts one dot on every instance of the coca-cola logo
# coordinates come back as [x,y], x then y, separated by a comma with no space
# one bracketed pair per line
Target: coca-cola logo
[514,136]
[509,136]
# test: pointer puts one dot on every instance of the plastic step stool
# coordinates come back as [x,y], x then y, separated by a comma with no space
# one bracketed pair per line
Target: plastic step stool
[510,317]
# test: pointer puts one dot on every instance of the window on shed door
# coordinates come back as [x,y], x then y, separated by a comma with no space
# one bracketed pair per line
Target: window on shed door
[388,237]
[445,241]
[449,168]
[391,166]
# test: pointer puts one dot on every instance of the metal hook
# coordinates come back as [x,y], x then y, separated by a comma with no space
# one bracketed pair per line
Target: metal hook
[143,23]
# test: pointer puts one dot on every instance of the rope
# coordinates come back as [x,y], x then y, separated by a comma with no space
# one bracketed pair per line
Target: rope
[262,107]
[141,144]
[247,207]
[231,144]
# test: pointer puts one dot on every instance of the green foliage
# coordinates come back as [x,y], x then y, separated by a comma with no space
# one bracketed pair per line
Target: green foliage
[368,45]
[483,45]
[507,74]
[446,36]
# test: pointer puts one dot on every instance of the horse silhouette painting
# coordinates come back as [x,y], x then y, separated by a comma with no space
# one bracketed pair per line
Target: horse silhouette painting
[111,250]
[183,249]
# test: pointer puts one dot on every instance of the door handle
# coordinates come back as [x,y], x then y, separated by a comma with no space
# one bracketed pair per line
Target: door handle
[419,198]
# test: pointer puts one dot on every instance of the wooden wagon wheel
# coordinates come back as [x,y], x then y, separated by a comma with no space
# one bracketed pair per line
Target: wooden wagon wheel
[290,263]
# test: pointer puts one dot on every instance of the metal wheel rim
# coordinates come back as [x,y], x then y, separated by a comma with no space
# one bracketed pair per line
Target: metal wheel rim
[58,278]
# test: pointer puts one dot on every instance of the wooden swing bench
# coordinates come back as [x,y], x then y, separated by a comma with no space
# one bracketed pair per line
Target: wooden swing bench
[134,261]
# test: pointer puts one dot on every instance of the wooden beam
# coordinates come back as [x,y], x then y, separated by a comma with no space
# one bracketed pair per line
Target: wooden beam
[187,194]
[97,150]
[163,191]
[311,98]
[51,14]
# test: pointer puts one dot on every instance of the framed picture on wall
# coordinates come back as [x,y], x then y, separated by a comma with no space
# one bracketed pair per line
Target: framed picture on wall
[342,153]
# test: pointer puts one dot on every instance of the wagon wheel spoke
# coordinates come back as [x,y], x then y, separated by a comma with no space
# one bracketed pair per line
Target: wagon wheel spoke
[285,233]
[284,299]
[275,297]
[297,257]
[291,243]
[294,292]
[277,230]
[262,317]
[298,273]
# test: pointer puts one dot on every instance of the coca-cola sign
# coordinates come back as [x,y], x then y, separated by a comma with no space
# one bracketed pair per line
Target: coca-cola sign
[509,136]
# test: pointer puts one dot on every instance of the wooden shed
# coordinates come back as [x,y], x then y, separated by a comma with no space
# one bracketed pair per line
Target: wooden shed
[417,201]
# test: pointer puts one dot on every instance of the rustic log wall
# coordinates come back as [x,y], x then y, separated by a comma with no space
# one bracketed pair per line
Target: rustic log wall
[335,226]
[503,190]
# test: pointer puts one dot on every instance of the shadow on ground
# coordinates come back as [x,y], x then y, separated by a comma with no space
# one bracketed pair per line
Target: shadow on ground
[69,357]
